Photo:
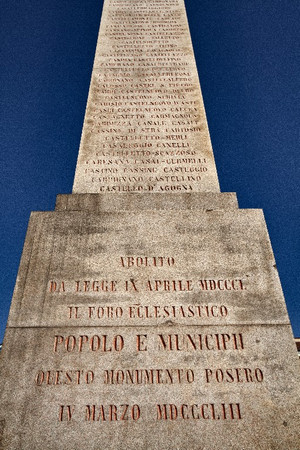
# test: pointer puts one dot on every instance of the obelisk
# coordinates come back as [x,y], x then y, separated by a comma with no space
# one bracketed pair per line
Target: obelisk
[147,312]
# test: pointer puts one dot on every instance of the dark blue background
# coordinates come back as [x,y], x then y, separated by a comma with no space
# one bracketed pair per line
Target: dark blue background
[248,60]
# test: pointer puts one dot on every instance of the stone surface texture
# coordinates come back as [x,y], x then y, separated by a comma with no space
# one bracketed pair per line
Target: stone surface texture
[148,312]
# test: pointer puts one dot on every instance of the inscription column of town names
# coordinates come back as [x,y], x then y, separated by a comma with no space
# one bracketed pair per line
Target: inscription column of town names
[145,128]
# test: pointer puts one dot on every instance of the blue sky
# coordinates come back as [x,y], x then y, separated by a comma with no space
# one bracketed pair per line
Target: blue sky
[248,59]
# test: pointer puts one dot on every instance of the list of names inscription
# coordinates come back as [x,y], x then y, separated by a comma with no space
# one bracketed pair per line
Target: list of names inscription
[145,128]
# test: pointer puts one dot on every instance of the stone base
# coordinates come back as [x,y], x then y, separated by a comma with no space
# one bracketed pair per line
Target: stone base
[162,328]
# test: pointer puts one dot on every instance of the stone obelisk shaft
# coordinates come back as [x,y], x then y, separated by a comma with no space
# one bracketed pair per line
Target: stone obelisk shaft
[145,128]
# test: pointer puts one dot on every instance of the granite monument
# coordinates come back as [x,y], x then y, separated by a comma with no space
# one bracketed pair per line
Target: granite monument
[148,312]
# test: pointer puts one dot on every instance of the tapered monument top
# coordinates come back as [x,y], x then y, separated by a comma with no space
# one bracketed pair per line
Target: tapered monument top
[145,128]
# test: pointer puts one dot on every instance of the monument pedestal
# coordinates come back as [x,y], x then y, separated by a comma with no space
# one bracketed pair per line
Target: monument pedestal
[148,329]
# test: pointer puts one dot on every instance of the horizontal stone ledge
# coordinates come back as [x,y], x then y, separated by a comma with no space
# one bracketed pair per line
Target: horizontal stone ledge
[151,201]
[174,327]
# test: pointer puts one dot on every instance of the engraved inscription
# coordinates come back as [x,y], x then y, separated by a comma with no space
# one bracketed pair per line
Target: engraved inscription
[112,413]
[93,343]
[214,342]
[236,375]
[147,261]
[161,341]
[108,413]
[145,128]
[150,285]
[149,376]
[66,412]
[64,377]
[207,411]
